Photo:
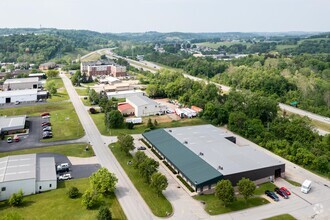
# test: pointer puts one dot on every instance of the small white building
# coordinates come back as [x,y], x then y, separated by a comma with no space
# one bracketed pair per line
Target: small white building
[10,124]
[21,83]
[29,172]
[145,106]
[124,94]
[18,95]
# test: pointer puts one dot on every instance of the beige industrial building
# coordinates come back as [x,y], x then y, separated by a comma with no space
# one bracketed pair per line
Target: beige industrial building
[21,83]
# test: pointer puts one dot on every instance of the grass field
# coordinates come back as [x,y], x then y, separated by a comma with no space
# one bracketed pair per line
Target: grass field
[159,205]
[92,57]
[294,183]
[260,190]
[72,150]
[55,204]
[81,91]
[214,206]
[65,122]
[61,94]
[282,217]
[139,129]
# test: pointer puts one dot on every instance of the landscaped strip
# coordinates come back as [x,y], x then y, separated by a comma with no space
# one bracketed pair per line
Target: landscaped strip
[282,217]
[55,204]
[214,206]
[158,204]
[72,150]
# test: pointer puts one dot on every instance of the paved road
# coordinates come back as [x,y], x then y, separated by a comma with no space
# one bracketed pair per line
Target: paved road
[127,195]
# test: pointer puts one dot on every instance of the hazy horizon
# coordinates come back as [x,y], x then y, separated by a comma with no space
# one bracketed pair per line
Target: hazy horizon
[189,16]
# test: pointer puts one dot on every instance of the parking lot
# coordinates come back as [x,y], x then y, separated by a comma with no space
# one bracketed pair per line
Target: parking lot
[82,168]
[30,140]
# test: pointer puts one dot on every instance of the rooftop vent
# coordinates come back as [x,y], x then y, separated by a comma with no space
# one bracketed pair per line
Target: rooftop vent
[169,130]
[201,154]
[220,168]
[186,142]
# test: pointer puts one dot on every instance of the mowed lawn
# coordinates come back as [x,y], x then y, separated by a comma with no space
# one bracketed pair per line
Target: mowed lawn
[158,204]
[81,91]
[72,150]
[55,204]
[65,122]
[61,94]
[140,128]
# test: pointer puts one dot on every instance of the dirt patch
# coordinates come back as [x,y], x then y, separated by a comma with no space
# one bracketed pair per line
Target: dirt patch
[160,119]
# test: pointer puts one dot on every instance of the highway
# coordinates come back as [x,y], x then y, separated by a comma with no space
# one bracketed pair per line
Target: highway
[129,198]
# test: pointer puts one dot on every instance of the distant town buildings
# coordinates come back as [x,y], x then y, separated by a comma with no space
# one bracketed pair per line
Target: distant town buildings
[47,66]
[103,68]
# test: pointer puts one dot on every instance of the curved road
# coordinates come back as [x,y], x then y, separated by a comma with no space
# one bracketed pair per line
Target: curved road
[127,195]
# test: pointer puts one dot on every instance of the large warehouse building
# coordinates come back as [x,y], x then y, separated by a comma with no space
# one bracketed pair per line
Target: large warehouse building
[27,95]
[204,154]
[144,106]
[29,172]
[22,83]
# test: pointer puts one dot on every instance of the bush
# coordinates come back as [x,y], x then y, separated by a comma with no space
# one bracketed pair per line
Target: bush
[92,111]
[170,168]
[16,199]
[155,152]
[146,143]
[185,183]
[73,192]
[104,214]
[130,125]
[90,199]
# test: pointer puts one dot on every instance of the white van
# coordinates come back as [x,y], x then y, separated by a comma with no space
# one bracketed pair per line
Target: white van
[306,186]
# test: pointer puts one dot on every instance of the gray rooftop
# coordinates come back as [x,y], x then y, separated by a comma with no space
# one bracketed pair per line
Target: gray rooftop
[12,93]
[218,151]
[16,122]
[46,169]
[21,80]
[18,167]
[141,100]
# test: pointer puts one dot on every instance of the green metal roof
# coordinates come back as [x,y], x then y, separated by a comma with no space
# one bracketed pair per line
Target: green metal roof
[187,162]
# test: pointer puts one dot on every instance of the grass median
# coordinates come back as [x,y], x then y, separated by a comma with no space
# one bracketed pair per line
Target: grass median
[158,204]
[282,217]
[55,204]
[72,150]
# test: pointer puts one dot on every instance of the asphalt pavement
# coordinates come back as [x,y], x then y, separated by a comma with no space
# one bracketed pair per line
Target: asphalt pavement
[129,198]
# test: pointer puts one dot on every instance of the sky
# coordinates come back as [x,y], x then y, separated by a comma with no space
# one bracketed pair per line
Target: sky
[117,16]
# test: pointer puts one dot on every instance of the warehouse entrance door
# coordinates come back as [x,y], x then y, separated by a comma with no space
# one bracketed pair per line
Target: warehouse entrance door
[278,173]
[8,100]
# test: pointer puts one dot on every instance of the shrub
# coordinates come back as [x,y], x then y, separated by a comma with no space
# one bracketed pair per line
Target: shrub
[155,152]
[73,192]
[170,168]
[104,213]
[92,111]
[146,143]
[90,199]
[16,199]
[185,183]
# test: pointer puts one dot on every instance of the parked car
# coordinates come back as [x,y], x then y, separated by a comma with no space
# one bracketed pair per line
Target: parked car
[9,140]
[141,148]
[306,186]
[285,190]
[63,165]
[281,193]
[272,195]
[44,114]
[48,128]
[44,124]
[66,176]
[17,102]
[16,138]
[47,134]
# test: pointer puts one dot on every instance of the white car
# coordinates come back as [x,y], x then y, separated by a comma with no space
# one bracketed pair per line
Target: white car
[66,176]
[46,116]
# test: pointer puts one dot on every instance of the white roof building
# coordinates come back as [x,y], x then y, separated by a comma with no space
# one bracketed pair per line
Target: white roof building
[12,123]
[124,94]
[30,173]
[144,106]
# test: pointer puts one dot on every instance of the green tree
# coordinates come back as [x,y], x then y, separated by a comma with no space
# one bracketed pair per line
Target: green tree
[16,199]
[114,119]
[104,213]
[246,188]
[155,123]
[225,192]
[102,181]
[76,78]
[52,73]
[150,124]
[148,167]
[90,199]
[73,192]
[138,159]
[93,97]
[51,87]
[159,182]
[126,143]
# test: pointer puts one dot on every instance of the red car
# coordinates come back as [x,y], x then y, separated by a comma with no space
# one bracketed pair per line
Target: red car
[285,190]
[44,114]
